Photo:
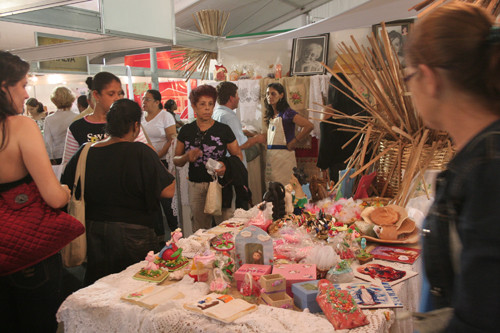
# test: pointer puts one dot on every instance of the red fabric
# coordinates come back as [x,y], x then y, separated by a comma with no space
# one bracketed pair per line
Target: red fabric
[30,230]
[339,307]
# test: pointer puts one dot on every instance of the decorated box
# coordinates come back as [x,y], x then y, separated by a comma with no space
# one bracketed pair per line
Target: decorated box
[304,295]
[255,270]
[295,273]
[274,291]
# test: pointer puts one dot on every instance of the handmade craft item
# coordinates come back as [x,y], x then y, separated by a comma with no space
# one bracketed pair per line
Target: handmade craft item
[294,273]
[273,291]
[363,256]
[219,283]
[324,257]
[392,138]
[250,288]
[170,256]
[275,194]
[221,307]
[253,246]
[339,307]
[378,270]
[396,253]
[341,273]
[261,220]
[224,261]
[372,295]
[152,271]
[256,270]
[152,296]
[318,189]
[304,295]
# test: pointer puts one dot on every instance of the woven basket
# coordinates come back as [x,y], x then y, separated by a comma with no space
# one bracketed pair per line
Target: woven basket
[390,167]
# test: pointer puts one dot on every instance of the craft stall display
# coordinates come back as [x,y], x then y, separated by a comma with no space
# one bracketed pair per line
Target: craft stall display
[237,270]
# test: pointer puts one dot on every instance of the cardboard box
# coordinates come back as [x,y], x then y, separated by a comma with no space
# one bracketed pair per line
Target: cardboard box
[304,295]
[295,273]
[272,283]
[278,300]
[255,270]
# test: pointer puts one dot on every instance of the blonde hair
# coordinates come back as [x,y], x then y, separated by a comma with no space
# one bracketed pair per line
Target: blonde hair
[456,37]
[62,97]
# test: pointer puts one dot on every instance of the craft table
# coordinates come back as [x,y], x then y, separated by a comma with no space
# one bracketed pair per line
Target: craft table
[98,308]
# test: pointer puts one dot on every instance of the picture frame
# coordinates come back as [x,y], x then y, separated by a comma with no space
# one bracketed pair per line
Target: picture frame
[308,53]
[398,33]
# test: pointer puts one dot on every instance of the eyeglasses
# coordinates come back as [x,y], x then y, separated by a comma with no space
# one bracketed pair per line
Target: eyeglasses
[408,77]
[146,99]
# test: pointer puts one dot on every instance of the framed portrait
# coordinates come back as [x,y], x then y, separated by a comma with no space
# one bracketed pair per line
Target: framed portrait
[398,33]
[308,53]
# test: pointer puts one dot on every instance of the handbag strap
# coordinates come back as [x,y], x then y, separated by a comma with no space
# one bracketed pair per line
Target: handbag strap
[146,135]
[80,171]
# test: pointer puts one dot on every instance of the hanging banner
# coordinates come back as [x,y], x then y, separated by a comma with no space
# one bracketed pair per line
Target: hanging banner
[74,64]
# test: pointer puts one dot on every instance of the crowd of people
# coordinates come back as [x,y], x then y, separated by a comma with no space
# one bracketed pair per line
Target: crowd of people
[455,83]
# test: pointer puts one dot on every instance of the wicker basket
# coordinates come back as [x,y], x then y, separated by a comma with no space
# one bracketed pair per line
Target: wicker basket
[390,167]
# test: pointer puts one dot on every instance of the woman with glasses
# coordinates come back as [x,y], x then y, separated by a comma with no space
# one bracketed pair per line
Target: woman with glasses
[453,57]
[199,141]
[159,125]
[106,89]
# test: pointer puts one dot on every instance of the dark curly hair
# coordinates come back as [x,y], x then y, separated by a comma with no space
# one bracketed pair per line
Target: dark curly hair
[203,90]
[122,115]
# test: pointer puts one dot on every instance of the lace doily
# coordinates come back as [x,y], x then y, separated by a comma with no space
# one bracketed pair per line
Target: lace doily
[98,308]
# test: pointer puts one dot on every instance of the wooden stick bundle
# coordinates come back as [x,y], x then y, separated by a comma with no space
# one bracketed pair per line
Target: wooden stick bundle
[211,22]
[392,118]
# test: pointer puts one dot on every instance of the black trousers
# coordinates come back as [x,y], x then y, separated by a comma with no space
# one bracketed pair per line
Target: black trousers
[113,246]
[29,299]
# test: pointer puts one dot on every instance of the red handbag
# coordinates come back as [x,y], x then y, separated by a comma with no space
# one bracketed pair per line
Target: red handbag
[31,230]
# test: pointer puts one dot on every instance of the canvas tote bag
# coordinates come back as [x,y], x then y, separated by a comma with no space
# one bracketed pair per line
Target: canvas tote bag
[74,253]
[213,201]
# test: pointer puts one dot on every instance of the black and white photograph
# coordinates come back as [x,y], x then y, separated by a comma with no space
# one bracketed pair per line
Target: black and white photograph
[398,33]
[307,55]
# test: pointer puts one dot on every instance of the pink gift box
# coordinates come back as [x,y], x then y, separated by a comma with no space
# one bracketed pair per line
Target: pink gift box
[294,273]
[255,270]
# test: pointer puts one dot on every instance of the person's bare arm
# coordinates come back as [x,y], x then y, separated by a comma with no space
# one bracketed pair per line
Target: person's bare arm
[182,157]
[258,138]
[37,163]
[307,127]
[234,149]
[169,191]
[169,135]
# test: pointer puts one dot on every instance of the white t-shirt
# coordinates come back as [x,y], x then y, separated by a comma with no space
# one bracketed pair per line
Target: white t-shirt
[155,128]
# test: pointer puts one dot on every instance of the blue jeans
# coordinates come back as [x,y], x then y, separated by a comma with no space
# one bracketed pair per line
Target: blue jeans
[29,299]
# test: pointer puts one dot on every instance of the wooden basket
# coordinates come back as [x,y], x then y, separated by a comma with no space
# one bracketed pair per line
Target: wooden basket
[390,167]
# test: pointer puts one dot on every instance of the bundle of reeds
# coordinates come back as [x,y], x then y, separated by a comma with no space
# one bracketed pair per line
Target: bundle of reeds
[393,125]
[492,6]
[210,22]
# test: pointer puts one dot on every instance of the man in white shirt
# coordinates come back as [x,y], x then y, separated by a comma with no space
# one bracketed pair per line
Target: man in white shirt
[228,100]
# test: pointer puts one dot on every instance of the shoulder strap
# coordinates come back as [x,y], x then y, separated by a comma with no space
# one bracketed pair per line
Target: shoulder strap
[80,170]
[146,134]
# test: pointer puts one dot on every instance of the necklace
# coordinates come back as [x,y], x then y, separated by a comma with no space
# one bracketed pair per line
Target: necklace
[200,136]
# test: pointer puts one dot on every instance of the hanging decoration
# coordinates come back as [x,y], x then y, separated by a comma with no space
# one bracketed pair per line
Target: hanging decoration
[210,22]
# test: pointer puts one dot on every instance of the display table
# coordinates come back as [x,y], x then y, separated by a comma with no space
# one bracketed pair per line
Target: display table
[98,308]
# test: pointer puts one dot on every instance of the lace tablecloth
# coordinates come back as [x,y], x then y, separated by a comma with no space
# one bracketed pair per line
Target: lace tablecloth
[98,308]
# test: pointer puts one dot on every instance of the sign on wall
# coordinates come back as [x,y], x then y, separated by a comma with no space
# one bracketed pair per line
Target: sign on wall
[73,64]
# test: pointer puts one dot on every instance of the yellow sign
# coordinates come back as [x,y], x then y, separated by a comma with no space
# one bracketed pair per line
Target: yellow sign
[75,64]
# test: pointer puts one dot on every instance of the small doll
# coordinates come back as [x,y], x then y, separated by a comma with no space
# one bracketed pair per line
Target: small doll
[257,258]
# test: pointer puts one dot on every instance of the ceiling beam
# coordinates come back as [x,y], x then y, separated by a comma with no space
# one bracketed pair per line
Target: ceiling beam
[88,21]
[22,6]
